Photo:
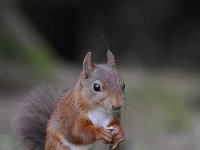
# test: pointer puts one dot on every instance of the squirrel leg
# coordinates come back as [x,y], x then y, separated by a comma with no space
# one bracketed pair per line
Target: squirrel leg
[54,141]
[65,148]
[52,144]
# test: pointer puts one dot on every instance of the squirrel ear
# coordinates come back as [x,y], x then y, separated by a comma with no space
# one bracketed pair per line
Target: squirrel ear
[88,65]
[111,59]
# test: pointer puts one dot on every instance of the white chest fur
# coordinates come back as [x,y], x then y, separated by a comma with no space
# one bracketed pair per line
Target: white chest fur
[76,147]
[100,118]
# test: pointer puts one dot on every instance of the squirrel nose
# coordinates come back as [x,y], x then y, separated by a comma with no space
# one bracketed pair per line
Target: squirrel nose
[115,108]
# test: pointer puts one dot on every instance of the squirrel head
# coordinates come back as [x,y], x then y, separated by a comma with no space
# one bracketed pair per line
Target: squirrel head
[101,85]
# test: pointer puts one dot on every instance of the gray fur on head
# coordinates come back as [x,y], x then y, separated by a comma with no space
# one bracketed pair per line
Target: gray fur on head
[110,81]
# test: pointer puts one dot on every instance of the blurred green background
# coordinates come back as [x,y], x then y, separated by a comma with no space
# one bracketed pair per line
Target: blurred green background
[157,49]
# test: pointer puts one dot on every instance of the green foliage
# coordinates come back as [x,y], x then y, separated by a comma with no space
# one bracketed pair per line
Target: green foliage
[35,56]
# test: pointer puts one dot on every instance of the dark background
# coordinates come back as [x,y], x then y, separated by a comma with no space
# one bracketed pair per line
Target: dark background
[157,49]
[157,33]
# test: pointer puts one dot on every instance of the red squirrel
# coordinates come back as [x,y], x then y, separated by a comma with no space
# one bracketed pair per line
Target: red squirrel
[81,116]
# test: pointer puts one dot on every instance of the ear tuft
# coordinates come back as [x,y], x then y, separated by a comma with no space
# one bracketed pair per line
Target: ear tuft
[88,65]
[111,59]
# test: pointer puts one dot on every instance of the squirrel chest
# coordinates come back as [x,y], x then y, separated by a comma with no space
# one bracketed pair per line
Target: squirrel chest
[99,118]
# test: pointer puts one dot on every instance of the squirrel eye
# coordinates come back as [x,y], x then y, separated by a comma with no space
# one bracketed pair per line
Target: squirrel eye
[96,87]
[124,86]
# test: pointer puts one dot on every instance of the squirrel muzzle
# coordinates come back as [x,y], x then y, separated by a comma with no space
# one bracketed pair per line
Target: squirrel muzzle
[117,103]
[116,107]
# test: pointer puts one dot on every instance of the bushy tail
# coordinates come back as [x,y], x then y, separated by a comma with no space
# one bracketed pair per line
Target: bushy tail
[31,123]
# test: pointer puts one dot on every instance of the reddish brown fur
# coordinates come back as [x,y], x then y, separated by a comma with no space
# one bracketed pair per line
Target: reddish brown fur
[70,118]
[74,124]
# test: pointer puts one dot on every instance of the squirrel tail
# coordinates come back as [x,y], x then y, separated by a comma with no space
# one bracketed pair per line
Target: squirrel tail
[31,122]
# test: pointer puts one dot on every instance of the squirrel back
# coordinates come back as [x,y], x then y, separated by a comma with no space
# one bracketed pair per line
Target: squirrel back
[35,112]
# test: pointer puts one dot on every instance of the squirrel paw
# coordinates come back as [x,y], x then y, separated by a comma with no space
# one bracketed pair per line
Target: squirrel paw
[103,135]
[118,135]
[65,148]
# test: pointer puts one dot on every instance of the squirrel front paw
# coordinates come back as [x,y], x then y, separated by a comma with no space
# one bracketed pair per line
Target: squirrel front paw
[118,135]
[104,135]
